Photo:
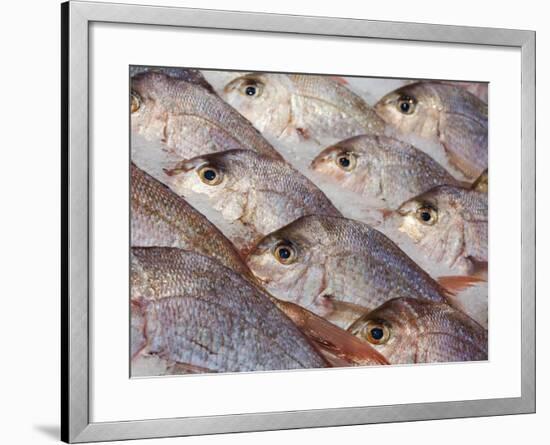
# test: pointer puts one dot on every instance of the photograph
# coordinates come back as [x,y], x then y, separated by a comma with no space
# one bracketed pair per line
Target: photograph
[283,221]
[242,222]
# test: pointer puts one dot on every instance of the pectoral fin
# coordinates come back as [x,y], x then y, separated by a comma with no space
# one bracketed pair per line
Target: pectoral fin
[344,347]
[454,284]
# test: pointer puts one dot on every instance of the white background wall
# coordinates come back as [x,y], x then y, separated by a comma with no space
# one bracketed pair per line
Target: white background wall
[29,222]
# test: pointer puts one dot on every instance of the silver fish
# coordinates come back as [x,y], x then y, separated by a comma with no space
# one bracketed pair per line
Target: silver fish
[380,168]
[450,224]
[329,265]
[478,89]
[260,193]
[187,119]
[194,313]
[408,330]
[296,107]
[442,113]
[159,217]
[188,74]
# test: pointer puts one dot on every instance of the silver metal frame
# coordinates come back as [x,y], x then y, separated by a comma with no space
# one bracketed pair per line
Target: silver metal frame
[76,18]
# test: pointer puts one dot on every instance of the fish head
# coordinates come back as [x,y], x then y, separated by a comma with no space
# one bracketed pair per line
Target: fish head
[337,162]
[264,99]
[148,89]
[391,329]
[412,109]
[142,101]
[152,95]
[427,217]
[155,93]
[222,177]
[290,262]
[412,330]
[348,163]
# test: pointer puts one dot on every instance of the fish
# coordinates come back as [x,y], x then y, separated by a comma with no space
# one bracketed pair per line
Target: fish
[187,119]
[188,74]
[339,347]
[380,168]
[481,184]
[446,114]
[295,107]
[260,193]
[478,89]
[337,267]
[195,314]
[410,330]
[159,217]
[449,224]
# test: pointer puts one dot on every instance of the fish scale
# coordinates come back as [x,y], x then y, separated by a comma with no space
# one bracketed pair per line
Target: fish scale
[260,193]
[202,314]
[294,107]
[159,217]
[446,114]
[459,235]
[339,262]
[385,168]
[187,74]
[348,113]
[188,119]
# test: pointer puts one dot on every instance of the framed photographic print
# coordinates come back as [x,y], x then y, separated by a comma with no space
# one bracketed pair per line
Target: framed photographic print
[289,219]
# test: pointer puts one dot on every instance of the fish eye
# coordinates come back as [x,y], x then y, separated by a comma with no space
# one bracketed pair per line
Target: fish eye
[135,102]
[252,88]
[346,161]
[377,332]
[285,253]
[427,215]
[210,175]
[406,104]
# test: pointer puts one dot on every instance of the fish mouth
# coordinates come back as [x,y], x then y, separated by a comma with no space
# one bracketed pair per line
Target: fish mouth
[380,108]
[402,212]
[181,167]
[260,276]
[390,218]
[325,156]
[318,162]
[262,281]
[387,214]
